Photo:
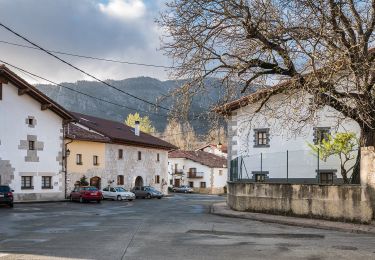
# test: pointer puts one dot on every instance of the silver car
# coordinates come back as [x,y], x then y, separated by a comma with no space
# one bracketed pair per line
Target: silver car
[183,188]
[117,193]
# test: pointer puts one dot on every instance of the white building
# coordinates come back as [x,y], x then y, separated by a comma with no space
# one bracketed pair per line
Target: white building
[110,153]
[31,140]
[219,150]
[204,172]
[272,144]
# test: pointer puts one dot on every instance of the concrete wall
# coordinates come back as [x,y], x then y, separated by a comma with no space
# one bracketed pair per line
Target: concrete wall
[16,160]
[334,202]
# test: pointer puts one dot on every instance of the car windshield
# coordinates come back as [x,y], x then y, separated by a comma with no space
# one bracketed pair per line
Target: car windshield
[4,189]
[90,188]
[152,189]
[119,189]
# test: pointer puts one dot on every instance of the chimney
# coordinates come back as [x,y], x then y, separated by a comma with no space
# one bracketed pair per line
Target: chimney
[136,128]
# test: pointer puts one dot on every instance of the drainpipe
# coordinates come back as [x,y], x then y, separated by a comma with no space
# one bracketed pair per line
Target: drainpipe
[65,158]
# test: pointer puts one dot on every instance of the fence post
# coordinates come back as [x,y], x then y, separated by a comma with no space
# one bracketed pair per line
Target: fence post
[318,165]
[287,166]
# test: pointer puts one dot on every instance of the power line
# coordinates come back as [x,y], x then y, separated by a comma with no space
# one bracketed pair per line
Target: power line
[77,91]
[80,70]
[91,57]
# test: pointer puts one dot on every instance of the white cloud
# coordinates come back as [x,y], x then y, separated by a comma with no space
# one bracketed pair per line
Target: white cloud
[124,9]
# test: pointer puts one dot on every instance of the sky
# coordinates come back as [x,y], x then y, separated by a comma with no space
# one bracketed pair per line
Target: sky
[111,29]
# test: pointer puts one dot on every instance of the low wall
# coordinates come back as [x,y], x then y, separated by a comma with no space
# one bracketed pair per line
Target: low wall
[334,202]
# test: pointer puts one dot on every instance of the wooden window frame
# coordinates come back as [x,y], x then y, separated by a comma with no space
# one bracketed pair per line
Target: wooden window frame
[157,179]
[27,183]
[44,182]
[95,160]
[203,185]
[79,159]
[120,180]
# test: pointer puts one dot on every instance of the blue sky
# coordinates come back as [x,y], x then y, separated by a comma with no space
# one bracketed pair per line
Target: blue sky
[113,29]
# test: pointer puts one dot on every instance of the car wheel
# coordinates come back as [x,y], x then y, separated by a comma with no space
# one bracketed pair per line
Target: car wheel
[98,201]
[159,198]
[81,200]
[11,205]
[130,199]
[148,196]
[119,197]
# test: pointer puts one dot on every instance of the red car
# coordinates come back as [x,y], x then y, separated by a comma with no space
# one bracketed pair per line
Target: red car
[86,193]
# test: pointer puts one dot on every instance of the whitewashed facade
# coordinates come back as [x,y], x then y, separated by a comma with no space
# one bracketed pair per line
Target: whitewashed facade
[283,153]
[203,177]
[31,141]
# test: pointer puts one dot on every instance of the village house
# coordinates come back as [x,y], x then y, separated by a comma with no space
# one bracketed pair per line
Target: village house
[204,172]
[31,140]
[217,149]
[110,153]
[272,144]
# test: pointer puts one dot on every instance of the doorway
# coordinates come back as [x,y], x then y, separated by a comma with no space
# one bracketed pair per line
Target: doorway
[177,182]
[96,182]
[138,181]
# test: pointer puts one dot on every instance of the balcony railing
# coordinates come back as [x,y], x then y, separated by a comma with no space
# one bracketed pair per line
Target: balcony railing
[195,175]
[178,172]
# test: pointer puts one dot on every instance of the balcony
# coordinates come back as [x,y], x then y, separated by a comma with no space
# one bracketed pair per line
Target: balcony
[178,172]
[195,175]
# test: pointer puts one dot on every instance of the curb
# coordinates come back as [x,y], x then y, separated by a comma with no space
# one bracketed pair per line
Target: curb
[293,221]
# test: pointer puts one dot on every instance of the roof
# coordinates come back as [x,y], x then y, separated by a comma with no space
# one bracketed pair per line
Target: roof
[205,158]
[6,76]
[253,97]
[75,132]
[115,132]
[224,148]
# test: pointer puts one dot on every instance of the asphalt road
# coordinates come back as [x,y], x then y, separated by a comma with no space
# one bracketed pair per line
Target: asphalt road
[178,227]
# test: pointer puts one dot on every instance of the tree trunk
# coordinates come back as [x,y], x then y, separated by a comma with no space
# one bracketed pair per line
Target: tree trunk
[344,175]
[367,138]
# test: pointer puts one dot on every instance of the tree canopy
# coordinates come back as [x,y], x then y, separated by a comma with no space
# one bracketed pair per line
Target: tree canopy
[144,122]
[320,47]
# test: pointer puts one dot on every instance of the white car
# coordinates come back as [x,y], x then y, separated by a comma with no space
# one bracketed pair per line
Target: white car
[117,193]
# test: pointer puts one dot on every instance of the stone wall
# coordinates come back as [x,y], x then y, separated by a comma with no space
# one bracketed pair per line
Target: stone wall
[334,202]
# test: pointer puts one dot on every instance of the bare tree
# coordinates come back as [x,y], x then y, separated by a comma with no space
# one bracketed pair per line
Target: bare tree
[321,47]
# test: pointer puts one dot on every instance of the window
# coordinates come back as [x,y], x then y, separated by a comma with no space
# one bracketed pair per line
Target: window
[30,121]
[27,182]
[120,179]
[220,172]
[95,160]
[203,184]
[139,156]
[326,177]
[31,145]
[158,157]
[170,182]
[120,153]
[46,182]
[193,170]
[260,177]
[320,134]
[157,179]
[261,137]
[79,159]
[191,184]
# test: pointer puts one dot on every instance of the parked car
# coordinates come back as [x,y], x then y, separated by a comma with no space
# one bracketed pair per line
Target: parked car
[117,193]
[6,195]
[183,188]
[147,192]
[86,193]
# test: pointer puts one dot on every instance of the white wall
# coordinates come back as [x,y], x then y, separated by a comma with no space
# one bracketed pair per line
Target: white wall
[286,133]
[210,175]
[14,110]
